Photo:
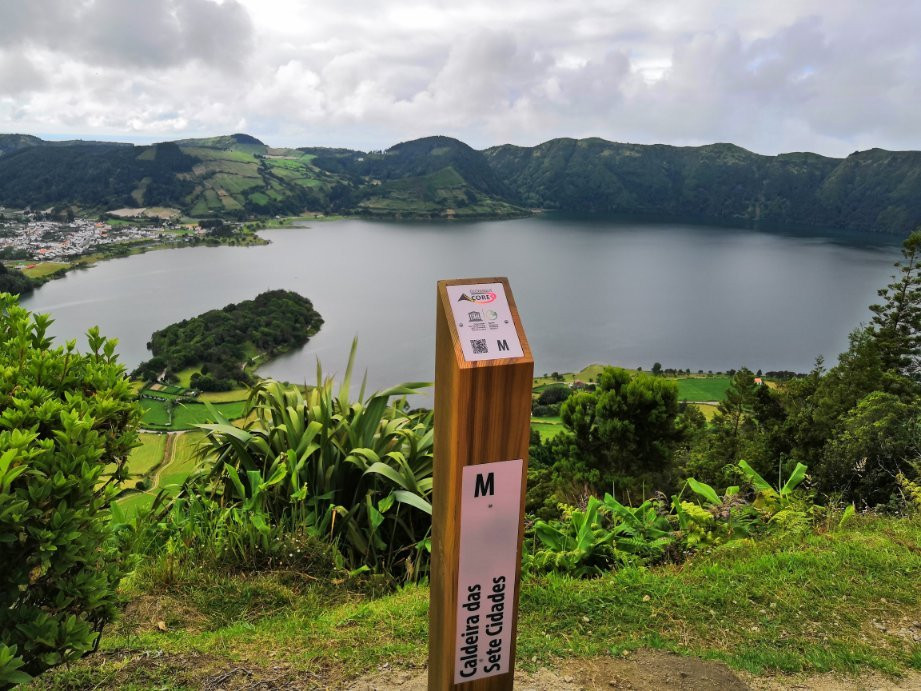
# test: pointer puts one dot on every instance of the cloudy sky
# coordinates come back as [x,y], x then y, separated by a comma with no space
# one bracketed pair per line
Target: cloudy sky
[829,76]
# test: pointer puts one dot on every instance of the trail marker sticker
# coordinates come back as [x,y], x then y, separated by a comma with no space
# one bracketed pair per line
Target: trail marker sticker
[490,518]
[484,322]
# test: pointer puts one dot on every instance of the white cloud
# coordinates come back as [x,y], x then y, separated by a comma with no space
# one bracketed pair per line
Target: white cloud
[789,75]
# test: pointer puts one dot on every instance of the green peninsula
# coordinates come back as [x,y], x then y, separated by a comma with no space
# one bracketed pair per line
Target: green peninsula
[215,350]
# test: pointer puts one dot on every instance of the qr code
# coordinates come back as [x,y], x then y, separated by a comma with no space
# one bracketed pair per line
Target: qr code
[479,346]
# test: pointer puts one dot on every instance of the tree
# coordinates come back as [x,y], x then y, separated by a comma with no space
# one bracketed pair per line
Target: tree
[875,442]
[896,323]
[13,281]
[554,394]
[657,368]
[64,417]
[623,434]
[734,420]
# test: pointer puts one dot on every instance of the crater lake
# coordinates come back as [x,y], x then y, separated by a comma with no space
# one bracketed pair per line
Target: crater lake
[589,291]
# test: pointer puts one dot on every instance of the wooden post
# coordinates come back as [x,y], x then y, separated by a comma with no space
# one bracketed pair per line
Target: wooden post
[483,380]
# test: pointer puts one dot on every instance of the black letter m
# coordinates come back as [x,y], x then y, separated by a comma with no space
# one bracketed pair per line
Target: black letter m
[502,344]
[484,487]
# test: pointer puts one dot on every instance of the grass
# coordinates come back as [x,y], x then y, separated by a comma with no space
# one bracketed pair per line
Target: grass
[707,409]
[148,455]
[184,377]
[183,460]
[42,269]
[184,416]
[154,413]
[586,374]
[691,388]
[778,606]
[548,427]
[177,413]
[224,396]
[707,388]
[176,461]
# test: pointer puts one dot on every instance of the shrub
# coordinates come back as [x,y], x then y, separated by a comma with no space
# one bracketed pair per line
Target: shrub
[357,474]
[606,533]
[554,394]
[64,416]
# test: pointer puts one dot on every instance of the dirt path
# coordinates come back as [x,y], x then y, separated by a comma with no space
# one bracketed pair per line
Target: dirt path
[651,670]
[643,670]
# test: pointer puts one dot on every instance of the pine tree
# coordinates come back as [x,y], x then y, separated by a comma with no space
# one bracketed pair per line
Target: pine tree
[896,323]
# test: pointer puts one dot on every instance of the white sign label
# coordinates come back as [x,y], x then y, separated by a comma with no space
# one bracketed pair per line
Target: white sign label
[484,322]
[490,518]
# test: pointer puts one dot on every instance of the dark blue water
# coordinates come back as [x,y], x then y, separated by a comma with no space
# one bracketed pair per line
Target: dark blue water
[588,291]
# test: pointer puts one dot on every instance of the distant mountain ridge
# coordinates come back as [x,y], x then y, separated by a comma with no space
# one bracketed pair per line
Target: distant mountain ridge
[439,177]
[13,142]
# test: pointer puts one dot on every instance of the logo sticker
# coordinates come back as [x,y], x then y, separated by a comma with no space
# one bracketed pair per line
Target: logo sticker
[478,296]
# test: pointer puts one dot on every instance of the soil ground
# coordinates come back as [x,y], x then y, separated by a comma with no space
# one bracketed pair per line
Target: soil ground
[651,670]
[643,670]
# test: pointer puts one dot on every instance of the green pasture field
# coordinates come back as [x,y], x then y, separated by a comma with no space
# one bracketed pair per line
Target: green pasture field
[168,389]
[184,376]
[693,388]
[201,207]
[286,172]
[148,455]
[154,413]
[224,396]
[708,409]
[183,460]
[176,462]
[220,155]
[185,415]
[41,269]
[702,388]
[230,203]
[547,427]
[309,182]
[234,184]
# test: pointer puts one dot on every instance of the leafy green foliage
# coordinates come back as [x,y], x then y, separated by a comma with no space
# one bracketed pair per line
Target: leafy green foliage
[606,533]
[357,474]
[10,667]
[875,442]
[911,490]
[217,341]
[64,417]
[896,324]
[622,434]
[13,281]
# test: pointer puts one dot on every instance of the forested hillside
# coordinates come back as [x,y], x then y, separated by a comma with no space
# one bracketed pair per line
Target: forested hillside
[876,190]
[94,176]
[440,177]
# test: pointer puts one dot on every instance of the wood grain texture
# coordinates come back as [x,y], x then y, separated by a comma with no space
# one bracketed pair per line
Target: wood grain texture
[482,415]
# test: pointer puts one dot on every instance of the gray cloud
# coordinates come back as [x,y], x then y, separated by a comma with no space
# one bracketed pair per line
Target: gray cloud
[789,75]
[130,33]
[18,75]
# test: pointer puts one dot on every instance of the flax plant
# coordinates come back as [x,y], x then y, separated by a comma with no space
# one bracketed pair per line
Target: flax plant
[357,473]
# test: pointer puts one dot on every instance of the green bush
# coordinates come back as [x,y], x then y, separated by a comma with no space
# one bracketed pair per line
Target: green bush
[64,416]
[606,533]
[356,474]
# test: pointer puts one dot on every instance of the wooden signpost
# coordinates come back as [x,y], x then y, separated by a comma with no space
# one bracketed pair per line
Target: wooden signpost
[483,378]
